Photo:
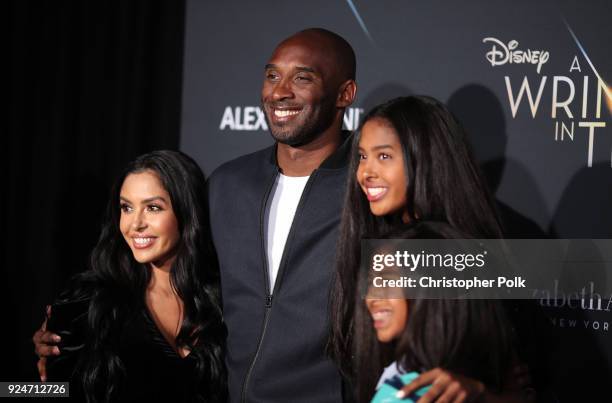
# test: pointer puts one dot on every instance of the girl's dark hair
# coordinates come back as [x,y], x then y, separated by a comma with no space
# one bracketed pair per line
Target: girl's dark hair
[470,337]
[443,184]
[116,283]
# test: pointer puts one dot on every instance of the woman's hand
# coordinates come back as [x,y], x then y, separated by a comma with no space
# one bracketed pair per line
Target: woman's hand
[446,387]
[45,346]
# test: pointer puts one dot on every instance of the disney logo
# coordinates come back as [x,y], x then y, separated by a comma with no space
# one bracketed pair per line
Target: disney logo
[501,54]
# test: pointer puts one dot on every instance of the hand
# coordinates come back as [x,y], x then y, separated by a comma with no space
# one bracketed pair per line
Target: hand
[45,346]
[446,387]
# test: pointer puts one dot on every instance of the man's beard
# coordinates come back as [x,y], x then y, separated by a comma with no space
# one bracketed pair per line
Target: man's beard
[315,121]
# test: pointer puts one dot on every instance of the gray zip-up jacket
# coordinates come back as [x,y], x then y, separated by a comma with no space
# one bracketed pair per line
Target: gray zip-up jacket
[276,338]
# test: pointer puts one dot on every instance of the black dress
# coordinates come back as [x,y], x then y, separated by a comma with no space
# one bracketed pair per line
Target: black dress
[153,369]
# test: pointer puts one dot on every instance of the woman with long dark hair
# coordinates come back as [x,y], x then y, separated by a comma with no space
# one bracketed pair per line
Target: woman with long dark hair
[411,163]
[144,322]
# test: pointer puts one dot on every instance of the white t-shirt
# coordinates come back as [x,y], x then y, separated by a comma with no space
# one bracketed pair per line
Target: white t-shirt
[287,193]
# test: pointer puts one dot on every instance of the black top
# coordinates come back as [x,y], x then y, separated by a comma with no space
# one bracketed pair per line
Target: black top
[154,370]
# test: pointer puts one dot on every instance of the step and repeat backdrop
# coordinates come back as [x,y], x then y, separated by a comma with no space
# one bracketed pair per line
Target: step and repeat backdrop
[530,80]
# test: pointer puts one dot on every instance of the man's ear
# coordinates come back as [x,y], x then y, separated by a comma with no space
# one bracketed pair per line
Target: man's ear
[347,93]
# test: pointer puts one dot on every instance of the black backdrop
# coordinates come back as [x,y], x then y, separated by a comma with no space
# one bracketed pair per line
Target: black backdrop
[92,85]
[539,172]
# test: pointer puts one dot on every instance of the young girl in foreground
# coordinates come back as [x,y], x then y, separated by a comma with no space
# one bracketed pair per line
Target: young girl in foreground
[463,348]
[412,163]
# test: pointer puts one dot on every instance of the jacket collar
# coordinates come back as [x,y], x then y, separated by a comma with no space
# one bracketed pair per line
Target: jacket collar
[338,160]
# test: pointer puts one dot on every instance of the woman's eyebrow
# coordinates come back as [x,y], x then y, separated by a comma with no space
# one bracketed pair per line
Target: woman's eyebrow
[147,200]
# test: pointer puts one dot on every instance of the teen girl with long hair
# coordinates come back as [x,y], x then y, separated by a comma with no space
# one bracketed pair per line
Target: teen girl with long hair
[412,164]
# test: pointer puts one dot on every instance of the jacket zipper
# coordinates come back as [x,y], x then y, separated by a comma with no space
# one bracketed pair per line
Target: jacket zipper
[269,296]
[268,301]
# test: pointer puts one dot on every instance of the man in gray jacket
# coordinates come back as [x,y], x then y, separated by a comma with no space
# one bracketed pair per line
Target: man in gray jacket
[274,219]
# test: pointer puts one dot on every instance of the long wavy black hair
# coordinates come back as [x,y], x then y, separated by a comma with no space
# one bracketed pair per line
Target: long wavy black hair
[115,284]
[444,184]
[472,337]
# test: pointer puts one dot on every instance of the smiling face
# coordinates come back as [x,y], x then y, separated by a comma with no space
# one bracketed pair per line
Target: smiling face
[389,317]
[147,222]
[299,91]
[381,172]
